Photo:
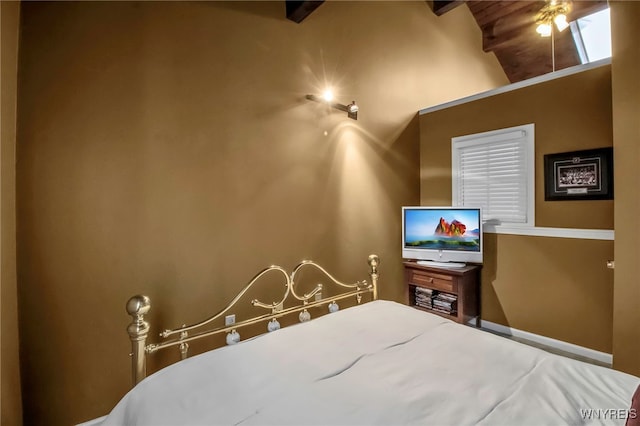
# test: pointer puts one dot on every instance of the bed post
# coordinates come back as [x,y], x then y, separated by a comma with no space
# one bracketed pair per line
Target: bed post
[137,307]
[374,261]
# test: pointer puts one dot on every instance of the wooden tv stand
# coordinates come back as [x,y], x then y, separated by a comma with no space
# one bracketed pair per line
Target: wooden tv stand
[462,283]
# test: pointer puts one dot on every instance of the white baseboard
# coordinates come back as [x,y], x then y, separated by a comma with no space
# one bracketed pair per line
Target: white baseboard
[547,341]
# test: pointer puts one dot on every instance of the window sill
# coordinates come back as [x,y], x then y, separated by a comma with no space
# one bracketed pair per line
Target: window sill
[538,231]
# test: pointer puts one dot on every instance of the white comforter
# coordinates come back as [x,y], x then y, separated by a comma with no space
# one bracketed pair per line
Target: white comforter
[379,363]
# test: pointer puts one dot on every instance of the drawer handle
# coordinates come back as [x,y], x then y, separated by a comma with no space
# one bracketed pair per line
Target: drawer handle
[430,280]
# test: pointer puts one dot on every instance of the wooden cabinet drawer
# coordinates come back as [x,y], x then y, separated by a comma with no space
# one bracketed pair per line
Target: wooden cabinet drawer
[433,280]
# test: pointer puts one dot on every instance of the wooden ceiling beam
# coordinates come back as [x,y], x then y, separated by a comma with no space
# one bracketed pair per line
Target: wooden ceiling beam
[440,7]
[486,12]
[297,11]
[491,42]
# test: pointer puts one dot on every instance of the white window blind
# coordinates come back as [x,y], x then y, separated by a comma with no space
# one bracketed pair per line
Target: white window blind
[494,171]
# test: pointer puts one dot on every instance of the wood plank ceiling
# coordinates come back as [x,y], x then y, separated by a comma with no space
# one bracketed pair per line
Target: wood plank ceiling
[508,30]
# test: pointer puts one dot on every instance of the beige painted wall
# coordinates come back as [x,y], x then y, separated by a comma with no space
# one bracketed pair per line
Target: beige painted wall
[626,131]
[167,149]
[10,397]
[536,284]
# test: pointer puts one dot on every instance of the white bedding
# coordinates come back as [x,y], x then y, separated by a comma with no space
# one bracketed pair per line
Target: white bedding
[379,363]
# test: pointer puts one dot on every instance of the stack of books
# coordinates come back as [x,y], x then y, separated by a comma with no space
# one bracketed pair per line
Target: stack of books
[435,300]
[424,297]
[444,302]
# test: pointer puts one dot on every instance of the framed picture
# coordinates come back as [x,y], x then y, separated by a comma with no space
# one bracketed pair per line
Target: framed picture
[579,175]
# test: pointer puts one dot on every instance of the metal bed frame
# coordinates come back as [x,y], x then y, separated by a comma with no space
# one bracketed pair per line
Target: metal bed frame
[138,306]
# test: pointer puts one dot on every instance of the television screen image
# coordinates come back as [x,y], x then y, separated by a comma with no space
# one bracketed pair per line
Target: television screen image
[447,234]
[440,229]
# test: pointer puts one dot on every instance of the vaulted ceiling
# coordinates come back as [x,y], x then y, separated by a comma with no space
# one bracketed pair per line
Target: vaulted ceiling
[508,30]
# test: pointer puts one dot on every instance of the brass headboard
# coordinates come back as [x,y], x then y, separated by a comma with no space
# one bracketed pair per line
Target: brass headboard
[138,306]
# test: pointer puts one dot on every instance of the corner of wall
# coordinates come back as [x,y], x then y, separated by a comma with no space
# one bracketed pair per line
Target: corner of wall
[10,396]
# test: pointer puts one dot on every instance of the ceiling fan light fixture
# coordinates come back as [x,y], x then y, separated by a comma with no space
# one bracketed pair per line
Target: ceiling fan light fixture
[561,22]
[544,29]
[554,11]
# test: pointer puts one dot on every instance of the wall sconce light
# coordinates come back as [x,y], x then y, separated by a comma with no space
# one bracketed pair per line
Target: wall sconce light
[327,98]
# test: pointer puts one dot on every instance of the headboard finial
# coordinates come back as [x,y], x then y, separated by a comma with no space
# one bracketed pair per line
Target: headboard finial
[138,330]
[138,305]
[374,261]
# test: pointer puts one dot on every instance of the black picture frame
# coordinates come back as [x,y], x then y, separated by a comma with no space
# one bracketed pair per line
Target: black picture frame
[579,175]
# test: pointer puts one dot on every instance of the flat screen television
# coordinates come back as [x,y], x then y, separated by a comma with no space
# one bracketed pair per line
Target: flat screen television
[442,236]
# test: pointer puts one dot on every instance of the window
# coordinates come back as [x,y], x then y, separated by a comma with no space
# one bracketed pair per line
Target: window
[495,171]
[592,35]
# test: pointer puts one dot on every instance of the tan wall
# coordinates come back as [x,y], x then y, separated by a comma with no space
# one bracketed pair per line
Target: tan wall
[167,149]
[555,287]
[540,285]
[626,131]
[10,398]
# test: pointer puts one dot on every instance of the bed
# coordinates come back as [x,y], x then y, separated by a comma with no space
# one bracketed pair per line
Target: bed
[376,363]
